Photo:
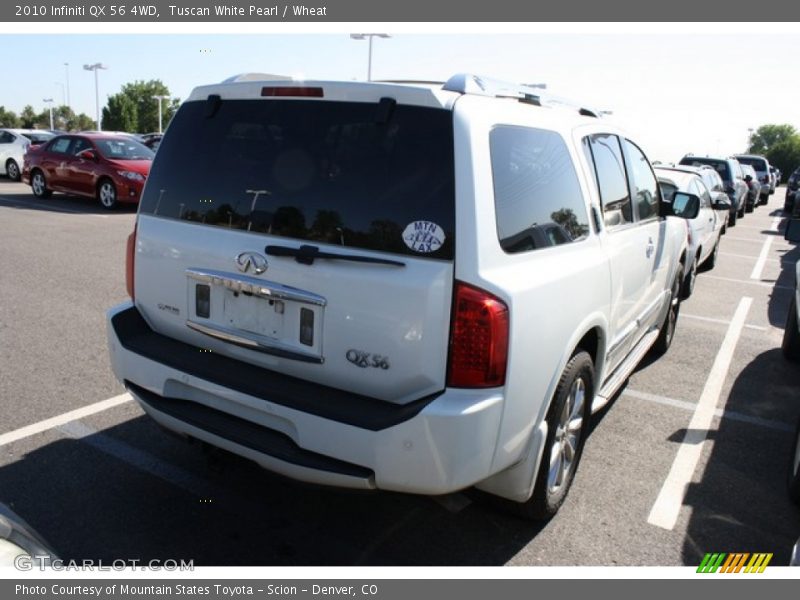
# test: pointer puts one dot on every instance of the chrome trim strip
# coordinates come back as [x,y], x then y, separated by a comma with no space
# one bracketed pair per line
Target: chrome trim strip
[258,287]
[253,341]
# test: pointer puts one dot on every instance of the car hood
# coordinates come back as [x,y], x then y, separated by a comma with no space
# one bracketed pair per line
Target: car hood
[137,166]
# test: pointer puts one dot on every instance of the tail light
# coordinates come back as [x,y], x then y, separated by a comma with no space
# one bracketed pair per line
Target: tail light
[478,339]
[130,254]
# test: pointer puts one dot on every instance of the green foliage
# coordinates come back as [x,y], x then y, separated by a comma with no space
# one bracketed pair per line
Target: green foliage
[121,114]
[8,118]
[767,137]
[28,117]
[135,109]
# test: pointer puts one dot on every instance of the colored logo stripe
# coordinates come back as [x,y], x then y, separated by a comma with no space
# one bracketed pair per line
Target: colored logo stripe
[734,562]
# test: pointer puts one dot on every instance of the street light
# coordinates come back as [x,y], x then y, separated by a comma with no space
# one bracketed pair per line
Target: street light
[160,98]
[66,70]
[50,101]
[369,36]
[63,93]
[95,67]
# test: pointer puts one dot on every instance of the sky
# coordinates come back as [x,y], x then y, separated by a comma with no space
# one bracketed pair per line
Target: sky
[674,93]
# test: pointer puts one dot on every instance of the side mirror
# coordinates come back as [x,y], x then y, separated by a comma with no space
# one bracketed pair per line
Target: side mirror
[685,206]
[748,178]
[87,155]
[721,204]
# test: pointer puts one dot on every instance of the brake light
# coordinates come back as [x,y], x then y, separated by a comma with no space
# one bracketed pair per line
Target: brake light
[290,91]
[478,339]
[130,253]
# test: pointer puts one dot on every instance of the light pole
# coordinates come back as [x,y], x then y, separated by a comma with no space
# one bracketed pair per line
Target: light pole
[63,93]
[369,36]
[66,70]
[750,131]
[50,102]
[95,67]
[160,98]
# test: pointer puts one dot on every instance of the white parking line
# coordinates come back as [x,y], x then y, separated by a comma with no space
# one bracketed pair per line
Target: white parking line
[721,321]
[738,239]
[749,281]
[762,257]
[73,415]
[722,414]
[745,256]
[670,499]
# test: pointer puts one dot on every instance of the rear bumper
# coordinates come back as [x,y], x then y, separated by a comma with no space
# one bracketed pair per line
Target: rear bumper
[309,432]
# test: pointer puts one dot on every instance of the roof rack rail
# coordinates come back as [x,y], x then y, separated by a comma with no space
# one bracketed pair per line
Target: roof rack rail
[256,77]
[465,83]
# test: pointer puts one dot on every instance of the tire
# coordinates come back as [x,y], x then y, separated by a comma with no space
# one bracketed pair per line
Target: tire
[793,479]
[750,207]
[567,420]
[667,331]
[711,261]
[39,185]
[791,337]
[732,219]
[741,212]
[689,280]
[107,194]
[12,170]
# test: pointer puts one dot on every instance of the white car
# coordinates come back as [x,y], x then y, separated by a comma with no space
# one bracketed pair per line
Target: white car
[409,287]
[13,145]
[705,229]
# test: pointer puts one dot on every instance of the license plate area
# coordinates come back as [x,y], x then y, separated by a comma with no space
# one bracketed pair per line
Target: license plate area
[262,315]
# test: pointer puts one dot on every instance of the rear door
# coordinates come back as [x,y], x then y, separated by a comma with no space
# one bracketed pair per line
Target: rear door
[307,236]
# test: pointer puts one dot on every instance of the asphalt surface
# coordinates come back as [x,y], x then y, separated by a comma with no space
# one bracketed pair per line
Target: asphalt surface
[113,486]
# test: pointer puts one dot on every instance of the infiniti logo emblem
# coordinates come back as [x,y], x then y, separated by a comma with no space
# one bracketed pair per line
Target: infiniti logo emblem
[251,262]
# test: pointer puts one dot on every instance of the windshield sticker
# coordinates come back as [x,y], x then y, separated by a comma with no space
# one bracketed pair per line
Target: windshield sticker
[423,236]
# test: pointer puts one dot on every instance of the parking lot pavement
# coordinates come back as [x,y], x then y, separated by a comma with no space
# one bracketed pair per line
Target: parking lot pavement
[722,396]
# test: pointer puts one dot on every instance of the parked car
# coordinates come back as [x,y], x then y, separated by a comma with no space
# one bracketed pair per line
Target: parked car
[152,141]
[791,332]
[704,230]
[13,145]
[715,185]
[776,177]
[730,171]
[20,545]
[377,267]
[110,168]
[761,166]
[753,188]
[792,185]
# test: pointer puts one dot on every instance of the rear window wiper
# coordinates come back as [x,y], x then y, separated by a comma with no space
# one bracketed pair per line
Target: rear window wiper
[306,255]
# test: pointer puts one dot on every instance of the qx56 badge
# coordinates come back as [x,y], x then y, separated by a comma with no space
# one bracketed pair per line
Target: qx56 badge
[365,359]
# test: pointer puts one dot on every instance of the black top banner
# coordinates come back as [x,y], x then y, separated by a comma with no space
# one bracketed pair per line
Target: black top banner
[333,11]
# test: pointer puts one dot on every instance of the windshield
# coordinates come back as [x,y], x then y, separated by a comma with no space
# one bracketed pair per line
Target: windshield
[759,164]
[720,166]
[343,173]
[119,149]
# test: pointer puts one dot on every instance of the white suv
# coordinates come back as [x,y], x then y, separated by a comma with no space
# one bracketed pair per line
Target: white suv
[410,287]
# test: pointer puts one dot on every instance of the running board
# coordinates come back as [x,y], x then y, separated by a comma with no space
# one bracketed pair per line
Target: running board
[620,376]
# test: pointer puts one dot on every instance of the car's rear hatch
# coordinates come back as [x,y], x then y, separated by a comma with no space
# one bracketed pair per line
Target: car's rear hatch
[308,229]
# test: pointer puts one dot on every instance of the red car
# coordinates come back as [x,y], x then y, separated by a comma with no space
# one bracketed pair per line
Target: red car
[111,168]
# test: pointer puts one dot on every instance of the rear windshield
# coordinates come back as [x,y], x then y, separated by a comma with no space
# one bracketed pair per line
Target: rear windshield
[355,174]
[759,164]
[720,166]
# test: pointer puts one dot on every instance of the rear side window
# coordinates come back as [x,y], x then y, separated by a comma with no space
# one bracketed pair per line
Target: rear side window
[6,137]
[759,164]
[720,166]
[538,200]
[60,145]
[354,174]
[611,181]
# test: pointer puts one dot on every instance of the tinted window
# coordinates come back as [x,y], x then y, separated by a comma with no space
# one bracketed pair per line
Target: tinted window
[6,137]
[60,145]
[79,145]
[611,181]
[720,166]
[347,173]
[538,200]
[759,164]
[643,182]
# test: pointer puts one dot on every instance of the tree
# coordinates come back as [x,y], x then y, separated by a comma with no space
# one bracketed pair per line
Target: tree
[8,118]
[769,136]
[119,114]
[27,118]
[785,155]
[81,122]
